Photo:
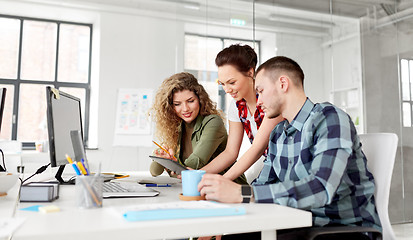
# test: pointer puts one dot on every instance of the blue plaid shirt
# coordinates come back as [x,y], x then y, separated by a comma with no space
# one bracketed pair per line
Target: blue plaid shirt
[316,164]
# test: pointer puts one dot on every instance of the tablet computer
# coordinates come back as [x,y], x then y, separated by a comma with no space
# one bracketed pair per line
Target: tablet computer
[169,164]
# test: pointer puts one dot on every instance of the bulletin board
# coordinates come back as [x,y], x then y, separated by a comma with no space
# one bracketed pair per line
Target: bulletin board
[132,125]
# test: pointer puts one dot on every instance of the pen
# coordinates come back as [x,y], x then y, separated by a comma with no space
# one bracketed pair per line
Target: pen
[84,165]
[81,168]
[69,159]
[157,185]
[73,165]
[164,150]
[76,169]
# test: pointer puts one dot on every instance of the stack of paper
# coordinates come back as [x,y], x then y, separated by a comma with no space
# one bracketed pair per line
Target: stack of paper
[39,192]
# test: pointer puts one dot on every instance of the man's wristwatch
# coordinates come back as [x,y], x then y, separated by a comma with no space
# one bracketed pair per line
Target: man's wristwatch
[246,192]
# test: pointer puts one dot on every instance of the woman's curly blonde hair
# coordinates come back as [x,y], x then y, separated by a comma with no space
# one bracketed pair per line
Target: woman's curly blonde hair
[163,113]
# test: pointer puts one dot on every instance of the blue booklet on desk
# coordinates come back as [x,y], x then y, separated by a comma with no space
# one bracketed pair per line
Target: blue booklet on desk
[175,210]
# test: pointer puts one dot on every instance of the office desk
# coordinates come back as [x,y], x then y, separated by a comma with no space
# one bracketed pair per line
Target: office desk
[106,223]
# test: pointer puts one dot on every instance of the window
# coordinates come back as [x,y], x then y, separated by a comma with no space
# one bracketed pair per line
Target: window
[199,59]
[407,91]
[35,53]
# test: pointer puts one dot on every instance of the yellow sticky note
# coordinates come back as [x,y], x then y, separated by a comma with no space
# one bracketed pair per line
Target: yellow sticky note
[49,209]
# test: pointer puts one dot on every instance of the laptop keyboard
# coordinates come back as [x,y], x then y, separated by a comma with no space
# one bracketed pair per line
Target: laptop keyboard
[113,187]
[116,190]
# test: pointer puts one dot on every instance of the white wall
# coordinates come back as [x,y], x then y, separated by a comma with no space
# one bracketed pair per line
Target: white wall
[307,52]
[135,52]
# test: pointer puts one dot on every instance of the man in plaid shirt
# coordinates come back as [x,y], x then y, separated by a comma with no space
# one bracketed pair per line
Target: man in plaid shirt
[314,158]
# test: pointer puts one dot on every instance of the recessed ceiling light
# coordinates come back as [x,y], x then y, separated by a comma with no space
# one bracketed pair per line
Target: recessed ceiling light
[192,5]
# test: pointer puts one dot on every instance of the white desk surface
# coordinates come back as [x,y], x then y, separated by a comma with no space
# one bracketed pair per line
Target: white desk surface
[106,223]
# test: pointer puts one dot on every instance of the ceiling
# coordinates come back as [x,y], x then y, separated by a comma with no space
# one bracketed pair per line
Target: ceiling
[348,8]
[307,16]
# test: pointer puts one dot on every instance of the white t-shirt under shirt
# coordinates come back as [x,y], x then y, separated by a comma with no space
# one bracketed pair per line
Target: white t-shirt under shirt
[233,116]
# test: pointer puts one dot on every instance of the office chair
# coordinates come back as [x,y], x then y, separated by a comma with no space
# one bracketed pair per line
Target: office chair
[252,173]
[380,150]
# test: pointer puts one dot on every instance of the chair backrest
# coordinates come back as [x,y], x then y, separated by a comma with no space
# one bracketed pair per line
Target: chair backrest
[380,150]
[255,170]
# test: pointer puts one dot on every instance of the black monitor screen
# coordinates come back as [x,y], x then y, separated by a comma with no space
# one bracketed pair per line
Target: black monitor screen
[2,100]
[63,116]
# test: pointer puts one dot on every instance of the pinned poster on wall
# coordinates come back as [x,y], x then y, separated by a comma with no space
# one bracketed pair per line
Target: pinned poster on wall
[133,125]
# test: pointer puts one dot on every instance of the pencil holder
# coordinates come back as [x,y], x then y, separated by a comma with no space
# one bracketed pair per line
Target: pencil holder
[89,191]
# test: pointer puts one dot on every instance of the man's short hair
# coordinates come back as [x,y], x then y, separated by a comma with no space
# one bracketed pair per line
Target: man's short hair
[277,65]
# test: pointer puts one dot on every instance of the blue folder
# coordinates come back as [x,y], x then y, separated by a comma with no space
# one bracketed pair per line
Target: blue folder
[161,214]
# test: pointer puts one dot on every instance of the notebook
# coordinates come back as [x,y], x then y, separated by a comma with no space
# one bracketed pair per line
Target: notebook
[182,209]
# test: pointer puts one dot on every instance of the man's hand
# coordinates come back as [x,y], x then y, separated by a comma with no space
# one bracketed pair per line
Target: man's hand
[216,187]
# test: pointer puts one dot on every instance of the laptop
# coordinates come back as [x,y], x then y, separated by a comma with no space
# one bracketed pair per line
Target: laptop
[111,189]
[122,190]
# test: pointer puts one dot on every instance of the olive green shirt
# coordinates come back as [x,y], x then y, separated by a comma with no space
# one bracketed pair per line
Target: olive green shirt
[209,139]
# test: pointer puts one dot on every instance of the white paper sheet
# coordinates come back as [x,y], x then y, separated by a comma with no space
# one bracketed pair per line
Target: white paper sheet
[9,225]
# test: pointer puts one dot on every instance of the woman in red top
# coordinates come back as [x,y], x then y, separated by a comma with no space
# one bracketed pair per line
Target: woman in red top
[236,69]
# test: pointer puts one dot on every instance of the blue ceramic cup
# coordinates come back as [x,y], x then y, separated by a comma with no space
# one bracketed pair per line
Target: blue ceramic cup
[190,180]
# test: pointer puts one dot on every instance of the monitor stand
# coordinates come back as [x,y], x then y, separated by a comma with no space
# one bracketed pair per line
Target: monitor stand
[59,178]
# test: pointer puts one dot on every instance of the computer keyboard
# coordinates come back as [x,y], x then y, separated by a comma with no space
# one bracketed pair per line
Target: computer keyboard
[113,187]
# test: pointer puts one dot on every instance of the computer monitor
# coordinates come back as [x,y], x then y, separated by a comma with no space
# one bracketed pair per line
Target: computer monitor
[63,117]
[2,100]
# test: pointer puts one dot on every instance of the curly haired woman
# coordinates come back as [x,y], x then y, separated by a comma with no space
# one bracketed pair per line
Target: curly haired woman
[188,123]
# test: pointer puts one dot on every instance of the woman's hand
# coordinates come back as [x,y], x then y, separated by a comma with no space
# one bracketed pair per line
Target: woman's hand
[179,175]
[163,154]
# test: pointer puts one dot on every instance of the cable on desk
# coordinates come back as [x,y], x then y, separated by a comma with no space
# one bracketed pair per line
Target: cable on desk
[40,170]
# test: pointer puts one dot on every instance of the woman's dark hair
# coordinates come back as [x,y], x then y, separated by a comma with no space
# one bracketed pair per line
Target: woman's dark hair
[242,57]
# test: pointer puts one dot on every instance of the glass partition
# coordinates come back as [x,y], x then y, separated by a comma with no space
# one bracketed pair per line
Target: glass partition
[387,51]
